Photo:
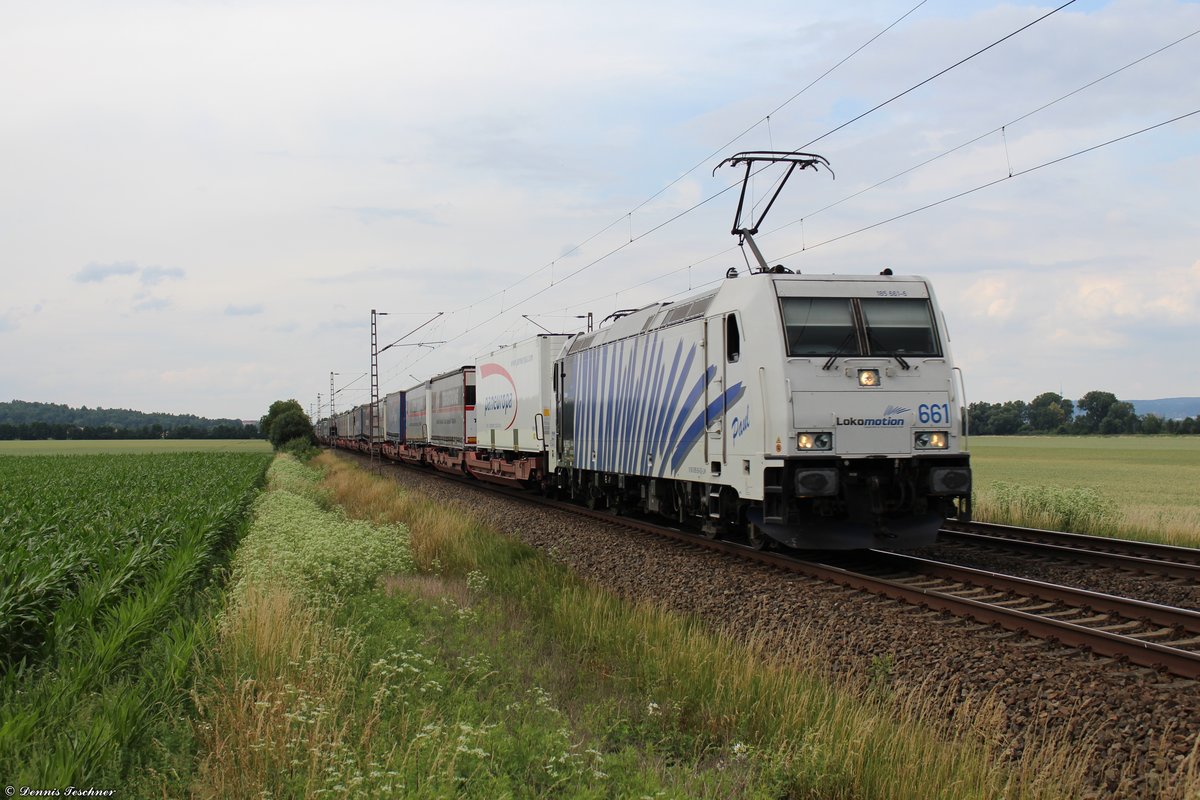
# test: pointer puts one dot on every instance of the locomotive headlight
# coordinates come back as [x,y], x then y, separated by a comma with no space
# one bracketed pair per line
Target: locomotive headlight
[868,377]
[930,440]
[822,440]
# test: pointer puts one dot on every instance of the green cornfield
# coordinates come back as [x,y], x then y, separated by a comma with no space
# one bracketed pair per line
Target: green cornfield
[105,561]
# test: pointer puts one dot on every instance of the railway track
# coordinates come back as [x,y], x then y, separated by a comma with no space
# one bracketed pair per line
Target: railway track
[1139,632]
[1144,557]
[1147,634]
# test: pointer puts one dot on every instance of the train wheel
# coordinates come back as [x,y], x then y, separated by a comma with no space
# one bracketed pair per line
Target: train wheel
[755,537]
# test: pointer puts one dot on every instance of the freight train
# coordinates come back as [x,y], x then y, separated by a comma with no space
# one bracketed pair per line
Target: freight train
[811,411]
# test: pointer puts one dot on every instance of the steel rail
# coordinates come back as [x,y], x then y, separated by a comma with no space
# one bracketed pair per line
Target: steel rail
[1183,619]
[1174,659]
[1157,559]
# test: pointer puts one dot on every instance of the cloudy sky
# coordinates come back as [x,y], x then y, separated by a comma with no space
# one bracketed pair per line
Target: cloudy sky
[201,202]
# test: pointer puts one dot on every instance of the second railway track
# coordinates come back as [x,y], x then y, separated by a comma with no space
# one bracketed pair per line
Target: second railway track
[1146,557]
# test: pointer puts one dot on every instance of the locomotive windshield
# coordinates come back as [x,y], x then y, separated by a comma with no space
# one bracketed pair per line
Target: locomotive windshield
[843,326]
[902,326]
[819,326]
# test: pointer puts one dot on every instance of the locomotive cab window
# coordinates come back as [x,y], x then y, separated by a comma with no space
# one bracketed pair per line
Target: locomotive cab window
[902,326]
[733,339]
[819,326]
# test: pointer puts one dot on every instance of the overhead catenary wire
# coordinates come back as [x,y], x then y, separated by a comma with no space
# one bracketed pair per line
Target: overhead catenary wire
[635,238]
[935,76]
[980,137]
[627,217]
[658,227]
[987,184]
[714,196]
[908,170]
[916,86]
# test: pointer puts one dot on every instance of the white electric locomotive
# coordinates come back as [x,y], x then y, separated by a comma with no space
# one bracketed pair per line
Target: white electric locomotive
[817,411]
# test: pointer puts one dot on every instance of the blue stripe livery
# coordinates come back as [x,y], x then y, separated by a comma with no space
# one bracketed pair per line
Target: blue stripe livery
[637,414]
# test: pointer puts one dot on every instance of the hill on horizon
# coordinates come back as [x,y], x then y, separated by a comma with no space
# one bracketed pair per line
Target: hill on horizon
[23,413]
[1168,407]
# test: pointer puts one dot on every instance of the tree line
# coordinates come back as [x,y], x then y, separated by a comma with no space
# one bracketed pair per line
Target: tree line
[20,419]
[1096,412]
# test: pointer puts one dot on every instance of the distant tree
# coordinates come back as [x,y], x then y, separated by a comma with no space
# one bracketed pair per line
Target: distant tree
[60,421]
[1152,424]
[1119,419]
[277,410]
[290,425]
[1050,412]
[1096,405]
[980,418]
[228,432]
[1009,418]
[998,419]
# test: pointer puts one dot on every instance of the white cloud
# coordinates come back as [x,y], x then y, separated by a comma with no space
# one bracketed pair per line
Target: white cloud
[97,273]
[151,276]
[299,164]
[152,304]
[993,297]
[244,310]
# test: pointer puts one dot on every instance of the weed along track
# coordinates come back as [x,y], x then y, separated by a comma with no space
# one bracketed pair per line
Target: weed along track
[1139,722]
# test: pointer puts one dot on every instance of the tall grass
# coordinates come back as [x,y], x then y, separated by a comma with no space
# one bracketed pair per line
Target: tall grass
[1138,487]
[271,716]
[443,541]
[1078,508]
[1084,509]
[725,696]
[273,713]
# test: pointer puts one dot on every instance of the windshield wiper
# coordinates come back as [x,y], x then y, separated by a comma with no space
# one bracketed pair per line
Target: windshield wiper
[839,350]
[884,351]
